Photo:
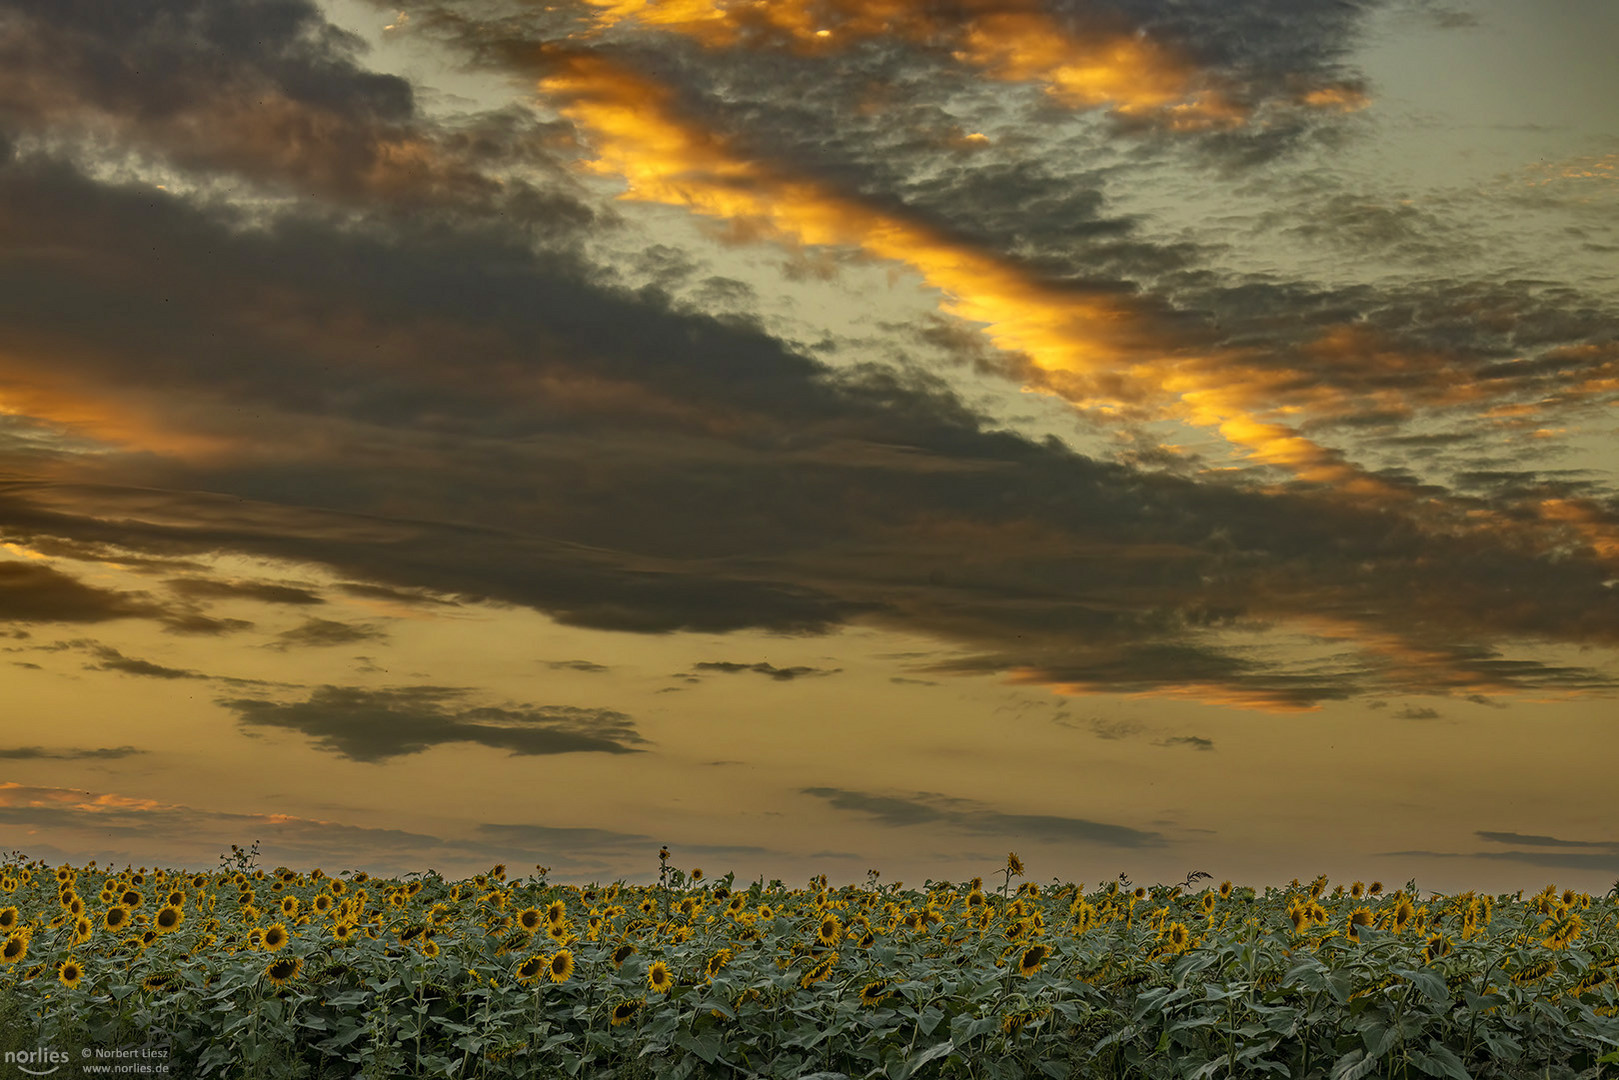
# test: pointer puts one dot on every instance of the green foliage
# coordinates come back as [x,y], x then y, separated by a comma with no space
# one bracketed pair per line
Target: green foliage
[455,979]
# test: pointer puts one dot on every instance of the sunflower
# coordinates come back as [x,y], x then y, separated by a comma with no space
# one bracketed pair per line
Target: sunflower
[1032,958]
[82,929]
[167,918]
[1436,947]
[821,971]
[557,913]
[343,931]
[829,931]
[15,948]
[281,971]
[873,993]
[530,918]
[69,972]
[1404,912]
[559,933]
[530,969]
[1179,937]
[1208,902]
[130,898]
[1014,865]
[154,984]
[659,977]
[275,936]
[717,962]
[561,966]
[177,898]
[624,1011]
[623,953]
[1358,918]
[289,906]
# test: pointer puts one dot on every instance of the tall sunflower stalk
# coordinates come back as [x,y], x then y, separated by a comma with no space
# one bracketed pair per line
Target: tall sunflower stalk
[1014,867]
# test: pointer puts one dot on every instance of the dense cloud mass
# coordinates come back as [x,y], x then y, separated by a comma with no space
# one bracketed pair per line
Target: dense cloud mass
[261,302]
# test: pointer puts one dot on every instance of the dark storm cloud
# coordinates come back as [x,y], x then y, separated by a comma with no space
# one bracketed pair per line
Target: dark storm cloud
[35,753]
[1195,742]
[383,592]
[786,674]
[375,725]
[437,409]
[965,815]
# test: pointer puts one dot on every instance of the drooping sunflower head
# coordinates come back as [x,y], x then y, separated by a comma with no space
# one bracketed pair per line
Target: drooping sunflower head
[623,953]
[69,972]
[284,969]
[659,977]
[153,984]
[561,966]
[625,1011]
[275,936]
[821,971]
[1032,958]
[1225,890]
[874,993]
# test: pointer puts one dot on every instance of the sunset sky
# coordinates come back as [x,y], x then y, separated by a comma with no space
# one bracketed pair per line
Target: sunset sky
[816,435]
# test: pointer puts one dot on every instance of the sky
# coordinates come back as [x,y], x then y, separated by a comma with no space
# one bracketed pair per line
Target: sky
[820,436]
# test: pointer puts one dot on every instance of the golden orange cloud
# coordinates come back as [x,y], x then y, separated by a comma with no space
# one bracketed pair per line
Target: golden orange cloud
[1099,66]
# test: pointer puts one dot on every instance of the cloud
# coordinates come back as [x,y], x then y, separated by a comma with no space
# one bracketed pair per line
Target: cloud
[375,725]
[786,674]
[104,753]
[113,660]
[963,815]
[262,591]
[32,592]
[1413,712]
[589,667]
[1196,742]
[324,632]
[1544,841]
[440,406]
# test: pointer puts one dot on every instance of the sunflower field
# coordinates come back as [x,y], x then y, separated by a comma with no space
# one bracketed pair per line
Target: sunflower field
[243,972]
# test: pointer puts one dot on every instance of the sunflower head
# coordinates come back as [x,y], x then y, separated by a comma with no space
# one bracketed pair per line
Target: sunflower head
[530,918]
[625,1011]
[873,993]
[560,966]
[622,953]
[821,971]
[274,937]
[15,948]
[167,918]
[69,972]
[659,977]
[281,970]
[1014,865]
[531,969]
[829,931]
[1032,958]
